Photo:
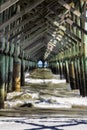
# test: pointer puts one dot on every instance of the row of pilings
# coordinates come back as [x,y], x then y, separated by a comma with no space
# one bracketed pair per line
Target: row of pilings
[13,65]
[73,70]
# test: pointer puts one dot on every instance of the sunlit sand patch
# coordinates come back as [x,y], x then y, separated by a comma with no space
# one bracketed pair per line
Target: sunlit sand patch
[45,93]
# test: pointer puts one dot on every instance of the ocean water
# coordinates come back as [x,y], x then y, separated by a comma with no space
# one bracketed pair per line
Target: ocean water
[45,93]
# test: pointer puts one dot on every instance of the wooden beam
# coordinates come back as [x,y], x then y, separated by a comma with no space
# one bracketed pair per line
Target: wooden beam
[20,14]
[69,21]
[63,18]
[51,55]
[35,52]
[31,41]
[66,30]
[52,3]
[55,37]
[21,24]
[7,4]
[34,36]
[54,51]
[65,42]
[28,30]
[71,9]
[36,45]
[39,54]
[21,38]
[70,35]
[59,17]
[71,38]
[34,48]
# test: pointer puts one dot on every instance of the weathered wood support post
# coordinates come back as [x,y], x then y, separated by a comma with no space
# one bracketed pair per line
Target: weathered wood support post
[10,74]
[67,71]
[61,69]
[57,66]
[85,62]
[2,80]
[66,59]
[17,70]
[82,77]
[76,73]
[64,71]
[6,75]
[16,74]
[79,62]
[49,65]
[72,75]
[10,69]
[28,66]
[2,69]
[85,49]
[52,67]
[79,77]
[86,74]
[22,70]
[6,66]
[26,61]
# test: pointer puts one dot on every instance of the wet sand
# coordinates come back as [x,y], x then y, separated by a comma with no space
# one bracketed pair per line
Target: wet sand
[37,112]
[47,89]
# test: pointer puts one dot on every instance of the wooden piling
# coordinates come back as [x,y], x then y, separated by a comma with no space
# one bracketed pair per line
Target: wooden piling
[67,72]
[10,74]
[57,67]
[76,73]
[10,69]
[61,69]
[22,72]
[82,78]
[16,75]
[64,71]
[2,80]
[72,75]
[6,74]
[79,76]
[86,74]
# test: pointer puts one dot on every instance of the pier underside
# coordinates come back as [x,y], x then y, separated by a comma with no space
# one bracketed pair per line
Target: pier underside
[51,31]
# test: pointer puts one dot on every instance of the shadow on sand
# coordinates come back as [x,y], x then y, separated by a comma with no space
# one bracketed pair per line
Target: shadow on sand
[60,124]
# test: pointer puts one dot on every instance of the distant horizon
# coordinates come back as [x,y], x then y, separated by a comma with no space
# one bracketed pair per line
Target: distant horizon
[40,64]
